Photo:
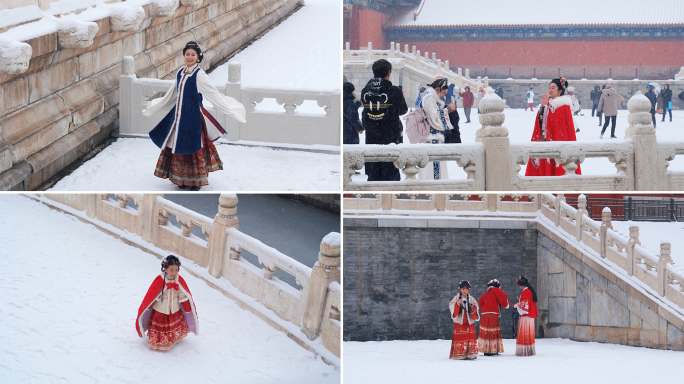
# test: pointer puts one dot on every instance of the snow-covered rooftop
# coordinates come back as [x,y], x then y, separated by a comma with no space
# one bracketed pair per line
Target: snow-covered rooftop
[451,13]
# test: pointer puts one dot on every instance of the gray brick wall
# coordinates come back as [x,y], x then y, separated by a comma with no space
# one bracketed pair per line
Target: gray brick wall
[398,281]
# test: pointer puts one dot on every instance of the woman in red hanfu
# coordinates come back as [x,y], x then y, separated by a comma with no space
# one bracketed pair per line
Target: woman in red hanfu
[490,341]
[167,312]
[553,123]
[464,312]
[527,308]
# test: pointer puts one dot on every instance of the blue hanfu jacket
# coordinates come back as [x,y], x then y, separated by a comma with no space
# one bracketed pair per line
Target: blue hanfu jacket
[186,116]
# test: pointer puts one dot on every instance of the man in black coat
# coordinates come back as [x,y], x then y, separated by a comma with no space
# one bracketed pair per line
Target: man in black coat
[383,104]
[652,98]
[667,101]
[595,96]
[352,126]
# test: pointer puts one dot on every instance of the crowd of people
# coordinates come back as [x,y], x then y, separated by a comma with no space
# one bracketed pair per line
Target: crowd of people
[435,118]
[465,311]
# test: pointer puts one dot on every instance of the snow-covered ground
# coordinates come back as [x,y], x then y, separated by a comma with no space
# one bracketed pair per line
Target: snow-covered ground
[128,165]
[520,124]
[558,361]
[651,234]
[69,303]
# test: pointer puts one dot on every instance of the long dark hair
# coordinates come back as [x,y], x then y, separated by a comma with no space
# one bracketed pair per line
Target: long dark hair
[522,281]
[167,262]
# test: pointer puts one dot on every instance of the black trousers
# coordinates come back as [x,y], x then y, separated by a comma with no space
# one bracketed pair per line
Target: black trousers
[594,108]
[653,112]
[612,128]
[665,111]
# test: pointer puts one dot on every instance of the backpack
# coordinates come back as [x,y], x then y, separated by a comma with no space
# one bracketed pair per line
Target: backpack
[375,106]
[528,94]
[417,127]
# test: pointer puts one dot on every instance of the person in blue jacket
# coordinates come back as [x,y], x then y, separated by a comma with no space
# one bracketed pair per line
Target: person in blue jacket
[186,133]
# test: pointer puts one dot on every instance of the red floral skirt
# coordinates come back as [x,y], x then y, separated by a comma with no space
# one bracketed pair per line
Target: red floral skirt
[524,346]
[490,340]
[166,330]
[190,170]
[463,343]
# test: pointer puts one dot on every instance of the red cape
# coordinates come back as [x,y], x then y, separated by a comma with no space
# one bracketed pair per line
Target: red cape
[560,127]
[145,310]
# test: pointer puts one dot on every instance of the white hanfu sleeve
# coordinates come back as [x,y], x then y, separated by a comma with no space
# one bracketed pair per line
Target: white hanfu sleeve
[222,103]
[159,104]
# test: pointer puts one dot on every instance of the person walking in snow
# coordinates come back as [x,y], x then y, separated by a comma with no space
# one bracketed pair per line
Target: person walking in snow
[652,98]
[575,106]
[437,116]
[527,308]
[167,312]
[530,100]
[480,94]
[468,99]
[452,136]
[595,96]
[499,92]
[667,101]
[383,104]
[186,133]
[608,105]
[464,312]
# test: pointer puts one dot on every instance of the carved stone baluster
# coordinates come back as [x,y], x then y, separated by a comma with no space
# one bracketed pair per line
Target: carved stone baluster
[217,239]
[663,260]
[605,225]
[325,272]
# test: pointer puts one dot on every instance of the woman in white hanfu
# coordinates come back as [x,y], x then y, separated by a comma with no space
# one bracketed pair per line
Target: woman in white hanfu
[437,116]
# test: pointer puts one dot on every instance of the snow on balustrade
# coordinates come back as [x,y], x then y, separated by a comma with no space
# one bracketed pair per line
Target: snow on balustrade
[287,126]
[656,272]
[218,258]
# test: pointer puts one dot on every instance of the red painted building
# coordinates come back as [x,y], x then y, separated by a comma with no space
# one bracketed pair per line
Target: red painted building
[618,39]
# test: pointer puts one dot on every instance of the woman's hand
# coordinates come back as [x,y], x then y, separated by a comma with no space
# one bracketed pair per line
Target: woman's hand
[545,99]
[460,301]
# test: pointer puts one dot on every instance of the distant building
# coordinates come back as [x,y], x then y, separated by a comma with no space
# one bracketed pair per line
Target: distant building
[618,39]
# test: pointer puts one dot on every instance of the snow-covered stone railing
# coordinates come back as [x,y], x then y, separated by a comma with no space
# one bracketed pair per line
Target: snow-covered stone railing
[409,69]
[314,309]
[626,253]
[409,158]
[640,161]
[363,203]
[286,127]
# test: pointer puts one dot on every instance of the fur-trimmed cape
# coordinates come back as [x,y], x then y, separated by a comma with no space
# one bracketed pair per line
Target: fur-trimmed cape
[145,310]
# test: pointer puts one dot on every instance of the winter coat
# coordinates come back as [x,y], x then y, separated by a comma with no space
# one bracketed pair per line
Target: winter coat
[575,103]
[382,120]
[352,126]
[457,312]
[154,298]
[499,91]
[652,98]
[526,305]
[659,100]
[450,95]
[431,105]
[492,299]
[667,96]
[181,128]
[468,98]
[595,96]
[608,102]
[530,98]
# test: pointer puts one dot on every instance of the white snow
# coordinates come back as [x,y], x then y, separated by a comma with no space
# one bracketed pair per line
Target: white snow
[605,209]
[70,299]
[557,361]
[128,165]
[520,124]
[19,15]
[333,239]
[303,52]
[10,49]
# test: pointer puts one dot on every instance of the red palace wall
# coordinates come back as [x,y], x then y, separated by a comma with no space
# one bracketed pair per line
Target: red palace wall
[370,28]
[591,59]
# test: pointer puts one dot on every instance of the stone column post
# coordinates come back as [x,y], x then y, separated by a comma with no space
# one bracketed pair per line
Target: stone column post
[581,211]
[90,202]
[605,225]
[557,209]
[631,257]
[440,201]
[387,201]
[663,260]
[392,54]
[234,90]
[346,56]
[129,100]
[494,136]
[643,135]
[148,215]
[217,239]
[322,274]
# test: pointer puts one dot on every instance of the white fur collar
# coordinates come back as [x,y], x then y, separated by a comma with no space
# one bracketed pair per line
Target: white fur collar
[432,92]
[560,101]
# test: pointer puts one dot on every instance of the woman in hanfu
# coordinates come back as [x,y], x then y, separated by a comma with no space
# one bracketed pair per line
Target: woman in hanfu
[464,312]
[527,308]
[553,123]
[437,116]
[490,341]
[186,133]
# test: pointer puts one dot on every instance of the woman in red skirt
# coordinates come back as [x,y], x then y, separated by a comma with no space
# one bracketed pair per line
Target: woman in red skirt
[168,312]
[490,341]
[186,133]
[464,312]
[527,308]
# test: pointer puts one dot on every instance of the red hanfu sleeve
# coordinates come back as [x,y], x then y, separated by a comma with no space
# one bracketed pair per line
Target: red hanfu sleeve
[502,297]
[186,306]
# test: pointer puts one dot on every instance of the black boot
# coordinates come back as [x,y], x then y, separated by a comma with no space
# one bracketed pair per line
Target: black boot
[182,187]
[195,188]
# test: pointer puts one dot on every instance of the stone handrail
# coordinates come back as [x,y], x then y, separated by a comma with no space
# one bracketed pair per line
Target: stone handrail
[361,203]
[626,254]
[331,329]
[309,310]
[409,158]
[287,127]
[431,67]
[641,162]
